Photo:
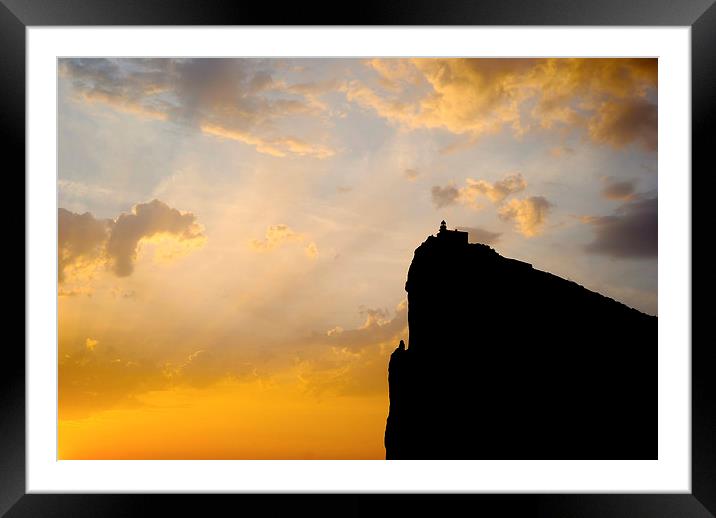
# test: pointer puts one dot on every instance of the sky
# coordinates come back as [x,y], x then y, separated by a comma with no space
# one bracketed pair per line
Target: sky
[234,235]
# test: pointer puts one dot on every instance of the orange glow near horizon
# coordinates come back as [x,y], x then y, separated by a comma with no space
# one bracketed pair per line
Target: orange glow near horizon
[230,421]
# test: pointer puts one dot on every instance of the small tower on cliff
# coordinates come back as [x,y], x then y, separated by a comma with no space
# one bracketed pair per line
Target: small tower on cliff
[451,236]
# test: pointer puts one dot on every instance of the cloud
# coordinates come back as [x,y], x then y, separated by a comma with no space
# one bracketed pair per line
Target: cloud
[353,361]
[232,99]
[481,235]
[80,240]
[630,233]
[145,221]
[619,190]
[83,192]
[528,214]
[206,366]
[476,97]
[95,378]
[620,124]
[411,174]
[277,235]
[453,94]
[310,89]
[85,243]
[278,147]
[345,372]
[609,100]
[90,379]
[311,250]
[444,196]
[559,151]
[75,291]
[122,104]
[379,326]
[395,109]
[476,189]
[394,74]
[496,192]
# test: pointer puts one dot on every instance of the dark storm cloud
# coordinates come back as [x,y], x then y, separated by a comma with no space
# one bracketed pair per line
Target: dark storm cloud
[630,233]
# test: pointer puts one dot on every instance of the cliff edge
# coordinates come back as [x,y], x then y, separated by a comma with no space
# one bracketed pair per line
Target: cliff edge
[509,362]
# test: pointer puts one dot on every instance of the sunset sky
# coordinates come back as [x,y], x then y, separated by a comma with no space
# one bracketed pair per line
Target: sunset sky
[235,235]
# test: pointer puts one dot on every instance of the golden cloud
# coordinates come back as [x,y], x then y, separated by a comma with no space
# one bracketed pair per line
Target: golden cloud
[528,214]
[411,174]
[483,96]
[124,105]
[93,378]
[392,109]
[276,235]
[379,326]
[353,361]
[496,192]
[311,250]
[618,124]
[471,194]
[278,147]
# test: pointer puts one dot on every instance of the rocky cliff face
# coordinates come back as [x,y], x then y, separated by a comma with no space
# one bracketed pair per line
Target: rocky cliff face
[508,362]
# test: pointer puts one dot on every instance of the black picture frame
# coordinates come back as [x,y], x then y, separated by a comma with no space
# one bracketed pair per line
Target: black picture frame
[700,15]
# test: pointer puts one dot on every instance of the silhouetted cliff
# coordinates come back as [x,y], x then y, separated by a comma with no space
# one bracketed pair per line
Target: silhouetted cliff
[509,362]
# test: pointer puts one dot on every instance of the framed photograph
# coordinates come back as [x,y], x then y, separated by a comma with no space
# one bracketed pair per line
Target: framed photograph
[444,251]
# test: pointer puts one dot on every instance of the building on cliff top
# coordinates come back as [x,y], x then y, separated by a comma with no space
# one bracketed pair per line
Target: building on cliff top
[452,236]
